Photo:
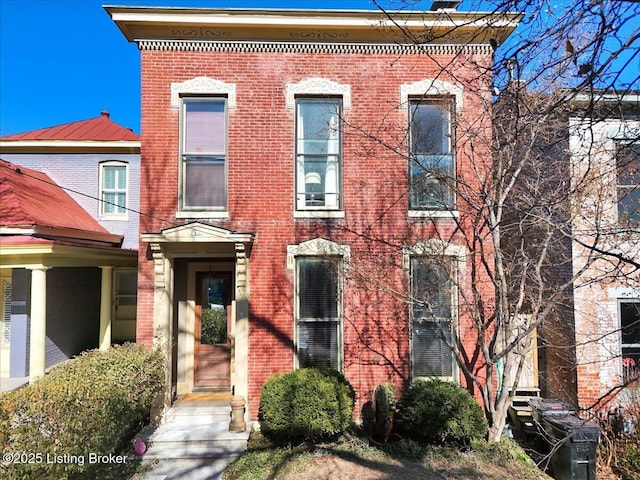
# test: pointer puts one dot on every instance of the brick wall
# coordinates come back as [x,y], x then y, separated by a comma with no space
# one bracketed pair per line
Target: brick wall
[261,194]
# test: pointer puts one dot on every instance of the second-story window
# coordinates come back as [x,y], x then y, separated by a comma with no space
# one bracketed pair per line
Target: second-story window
[318,153]
[432,160]
[113,189]
[628,173]
[204,154]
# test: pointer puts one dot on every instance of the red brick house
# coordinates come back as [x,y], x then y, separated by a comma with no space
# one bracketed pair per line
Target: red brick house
[289,222]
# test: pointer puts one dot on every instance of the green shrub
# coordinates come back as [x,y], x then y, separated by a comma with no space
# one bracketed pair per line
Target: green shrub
[214,326]
[440,412]
[384,400]
[308,404]
[93,404]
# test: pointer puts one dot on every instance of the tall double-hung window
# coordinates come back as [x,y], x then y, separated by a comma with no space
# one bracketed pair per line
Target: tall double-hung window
[628,174]
[318,313]
[203,184]
[432,315]
[318,153]
[431,157]
[630,336]
[113,189]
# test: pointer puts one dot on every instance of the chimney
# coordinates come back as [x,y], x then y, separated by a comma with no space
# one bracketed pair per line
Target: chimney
[104,113]
[445,5]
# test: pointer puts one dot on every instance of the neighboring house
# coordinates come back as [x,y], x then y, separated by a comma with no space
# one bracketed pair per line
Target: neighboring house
[277,235]
[605,152]
[97,162]
[56,269]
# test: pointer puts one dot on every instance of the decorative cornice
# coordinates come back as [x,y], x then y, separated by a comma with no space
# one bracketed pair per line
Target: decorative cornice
[203,85]
[432,247]
[317,247]
[318,86]
[283,25]
[315,47]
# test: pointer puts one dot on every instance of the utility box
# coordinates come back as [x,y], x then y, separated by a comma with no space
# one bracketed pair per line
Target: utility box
[573,442]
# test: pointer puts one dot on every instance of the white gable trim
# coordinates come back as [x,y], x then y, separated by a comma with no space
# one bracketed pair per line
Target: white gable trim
[197,232]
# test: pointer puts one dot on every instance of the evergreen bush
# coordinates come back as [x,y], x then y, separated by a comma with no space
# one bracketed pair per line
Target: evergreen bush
[91,405]
[440,412]
[306,404]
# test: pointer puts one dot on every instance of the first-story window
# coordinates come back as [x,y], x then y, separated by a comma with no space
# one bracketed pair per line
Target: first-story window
[318,153]
[432,316]
[630,336]
[318,313]
[113,189]
[432,160]
[203,154]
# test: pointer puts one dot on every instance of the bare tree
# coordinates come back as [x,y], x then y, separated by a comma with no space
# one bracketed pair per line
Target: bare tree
[521,201]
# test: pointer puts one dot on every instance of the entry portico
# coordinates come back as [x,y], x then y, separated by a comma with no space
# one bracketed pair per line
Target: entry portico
[200,275]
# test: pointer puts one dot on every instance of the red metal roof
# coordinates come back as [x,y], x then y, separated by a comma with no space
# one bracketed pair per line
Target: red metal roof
[95,129]
[31,198]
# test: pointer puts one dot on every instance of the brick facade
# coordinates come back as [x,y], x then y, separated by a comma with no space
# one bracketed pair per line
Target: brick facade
[261,198]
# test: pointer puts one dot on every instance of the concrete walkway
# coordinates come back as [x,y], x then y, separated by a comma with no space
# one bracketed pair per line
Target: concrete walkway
[194,443]
[8,384]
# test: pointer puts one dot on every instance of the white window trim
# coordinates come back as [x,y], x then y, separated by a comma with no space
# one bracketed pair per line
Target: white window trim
[436,247]
[317,86]
[203,86]
[433,214]
[318,214]
[430,87]
[101,204]
[317,247]
[220,215]
[322,248]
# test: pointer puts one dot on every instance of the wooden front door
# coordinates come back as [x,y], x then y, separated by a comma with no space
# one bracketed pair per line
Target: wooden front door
[212,344]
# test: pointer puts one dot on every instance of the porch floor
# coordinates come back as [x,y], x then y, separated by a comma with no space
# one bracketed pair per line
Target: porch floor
[8,384]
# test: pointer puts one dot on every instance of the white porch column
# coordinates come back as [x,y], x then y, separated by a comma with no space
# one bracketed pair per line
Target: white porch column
[240,378]
[106,302]
[38,314]
[163,313]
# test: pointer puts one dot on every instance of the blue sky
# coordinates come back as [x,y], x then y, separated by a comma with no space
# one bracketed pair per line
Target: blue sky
[65,60]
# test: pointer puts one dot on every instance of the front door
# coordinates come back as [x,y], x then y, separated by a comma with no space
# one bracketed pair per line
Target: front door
[212,344]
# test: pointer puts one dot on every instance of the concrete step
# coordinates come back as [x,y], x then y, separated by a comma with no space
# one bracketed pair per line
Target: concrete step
[181,450]
[188,440]
[192,415]
[186,469]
